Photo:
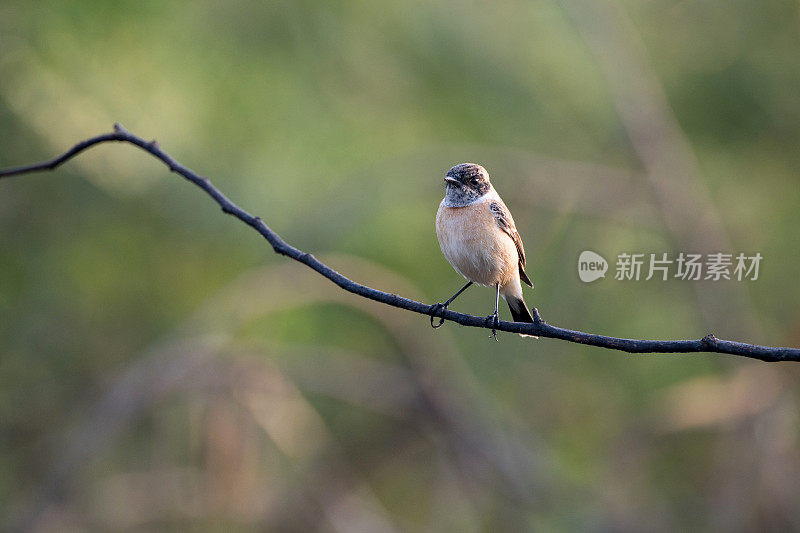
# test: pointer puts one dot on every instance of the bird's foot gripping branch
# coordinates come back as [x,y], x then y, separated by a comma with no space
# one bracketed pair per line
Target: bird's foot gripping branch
[538,327]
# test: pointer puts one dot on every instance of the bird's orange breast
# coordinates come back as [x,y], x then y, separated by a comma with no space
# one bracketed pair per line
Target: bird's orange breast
[475,245]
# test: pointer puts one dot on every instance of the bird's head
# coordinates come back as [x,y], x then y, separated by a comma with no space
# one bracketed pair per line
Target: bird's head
[466,183]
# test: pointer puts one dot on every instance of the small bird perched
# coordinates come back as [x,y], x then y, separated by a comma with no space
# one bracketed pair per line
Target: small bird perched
[477,235]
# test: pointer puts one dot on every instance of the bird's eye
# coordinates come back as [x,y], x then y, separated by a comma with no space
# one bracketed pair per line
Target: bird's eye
[474,181]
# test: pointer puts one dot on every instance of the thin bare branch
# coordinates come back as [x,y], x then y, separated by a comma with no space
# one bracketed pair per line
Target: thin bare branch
[709,343]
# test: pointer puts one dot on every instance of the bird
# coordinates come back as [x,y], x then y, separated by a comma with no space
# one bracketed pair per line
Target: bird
[479,239]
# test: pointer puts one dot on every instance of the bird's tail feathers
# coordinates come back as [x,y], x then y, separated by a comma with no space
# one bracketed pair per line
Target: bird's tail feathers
[520,312]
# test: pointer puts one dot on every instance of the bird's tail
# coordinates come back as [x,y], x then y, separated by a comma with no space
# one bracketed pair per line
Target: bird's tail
[520,312]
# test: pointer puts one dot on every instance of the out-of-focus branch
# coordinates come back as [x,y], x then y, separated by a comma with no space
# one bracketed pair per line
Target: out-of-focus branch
[709,343]
[671,169]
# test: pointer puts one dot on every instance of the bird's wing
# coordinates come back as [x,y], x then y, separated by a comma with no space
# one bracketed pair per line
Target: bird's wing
[504,219]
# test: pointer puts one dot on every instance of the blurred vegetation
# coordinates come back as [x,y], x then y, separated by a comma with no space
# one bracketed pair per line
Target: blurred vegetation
[160,368]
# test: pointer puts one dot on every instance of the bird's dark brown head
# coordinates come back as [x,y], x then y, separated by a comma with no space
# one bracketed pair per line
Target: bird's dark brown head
[466,183]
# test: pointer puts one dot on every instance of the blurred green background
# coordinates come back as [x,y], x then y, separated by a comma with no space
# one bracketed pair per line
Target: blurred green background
[162,369]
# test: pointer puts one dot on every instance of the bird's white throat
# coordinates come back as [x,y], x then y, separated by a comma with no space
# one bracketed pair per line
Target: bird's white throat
[456,197]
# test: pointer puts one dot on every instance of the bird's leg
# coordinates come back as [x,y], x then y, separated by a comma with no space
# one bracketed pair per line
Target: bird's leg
[438,308]
[494,319]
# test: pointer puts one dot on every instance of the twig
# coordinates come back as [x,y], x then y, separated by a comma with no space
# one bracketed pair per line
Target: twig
[709,343]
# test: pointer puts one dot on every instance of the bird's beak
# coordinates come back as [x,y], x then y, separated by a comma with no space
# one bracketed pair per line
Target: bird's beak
[454,181]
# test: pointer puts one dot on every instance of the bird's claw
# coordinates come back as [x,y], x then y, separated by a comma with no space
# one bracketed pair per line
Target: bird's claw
[493,320]
[433,311]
